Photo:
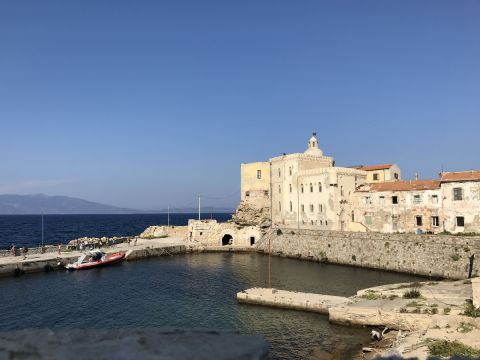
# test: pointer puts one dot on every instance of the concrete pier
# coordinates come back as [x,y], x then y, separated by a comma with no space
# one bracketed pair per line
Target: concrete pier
[291,299]
[17,265]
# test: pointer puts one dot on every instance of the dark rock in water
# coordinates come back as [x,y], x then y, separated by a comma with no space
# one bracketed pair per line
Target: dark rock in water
[130,344]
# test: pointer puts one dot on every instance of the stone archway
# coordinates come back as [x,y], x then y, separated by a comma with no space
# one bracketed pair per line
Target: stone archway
[227,239]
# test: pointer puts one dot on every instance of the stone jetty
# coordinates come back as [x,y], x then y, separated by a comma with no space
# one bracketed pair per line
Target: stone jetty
[416,314]
[136,249]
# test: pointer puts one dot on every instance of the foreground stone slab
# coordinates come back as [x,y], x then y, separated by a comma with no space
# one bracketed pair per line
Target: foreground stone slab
[291,299]
[130,344]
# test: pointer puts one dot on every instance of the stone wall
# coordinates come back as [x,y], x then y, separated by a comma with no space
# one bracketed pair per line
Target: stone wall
[210,233]
[430,255]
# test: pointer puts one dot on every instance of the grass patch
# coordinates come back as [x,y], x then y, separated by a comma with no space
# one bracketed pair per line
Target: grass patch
[446,311]
[372,295]
[412,294]
[465,327]
[413,304]
[450,348]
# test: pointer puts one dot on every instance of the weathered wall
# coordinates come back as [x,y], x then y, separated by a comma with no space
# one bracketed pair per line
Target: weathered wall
[438,256]
[210,233]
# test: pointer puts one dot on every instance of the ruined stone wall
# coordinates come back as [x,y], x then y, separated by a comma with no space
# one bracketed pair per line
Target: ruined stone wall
[210,233]
[431,255]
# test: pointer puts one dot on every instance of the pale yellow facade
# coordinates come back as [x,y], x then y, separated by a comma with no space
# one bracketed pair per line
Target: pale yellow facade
[255,179]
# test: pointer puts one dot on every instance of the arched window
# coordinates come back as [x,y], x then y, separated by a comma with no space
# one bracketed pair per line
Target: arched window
[279,206]
[311,187]
[290,187]
[319,187]
[301,188]
[353,216]
[279,189]
[320,208]
[311,207]
[279,172]
[291,206]
[303,208]
[290,171]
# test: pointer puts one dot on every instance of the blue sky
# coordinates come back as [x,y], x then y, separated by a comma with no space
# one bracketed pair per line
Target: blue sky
[148,103]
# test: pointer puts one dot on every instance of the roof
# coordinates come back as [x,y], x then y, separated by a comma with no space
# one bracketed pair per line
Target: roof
[408,185]
[471,175]
[375,167]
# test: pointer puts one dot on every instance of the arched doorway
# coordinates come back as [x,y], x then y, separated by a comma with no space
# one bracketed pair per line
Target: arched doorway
[252,240]
[227,240]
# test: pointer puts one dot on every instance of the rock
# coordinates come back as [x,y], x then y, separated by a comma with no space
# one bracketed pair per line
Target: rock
[130,344]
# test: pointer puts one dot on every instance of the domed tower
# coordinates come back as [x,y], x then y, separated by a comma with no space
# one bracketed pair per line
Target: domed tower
[313,148]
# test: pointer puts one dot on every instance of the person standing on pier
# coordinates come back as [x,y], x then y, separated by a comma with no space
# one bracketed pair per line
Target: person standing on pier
[59,249]
[14,250]
[25,251]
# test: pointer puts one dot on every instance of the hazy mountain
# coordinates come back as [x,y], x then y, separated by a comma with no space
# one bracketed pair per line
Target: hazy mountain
[45,204]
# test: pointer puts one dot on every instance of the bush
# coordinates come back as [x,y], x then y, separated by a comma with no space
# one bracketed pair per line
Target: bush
[470,310]
[451,348]
[412,294]
[446,311]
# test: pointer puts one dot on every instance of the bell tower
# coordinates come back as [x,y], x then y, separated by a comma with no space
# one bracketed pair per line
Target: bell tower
[313,148]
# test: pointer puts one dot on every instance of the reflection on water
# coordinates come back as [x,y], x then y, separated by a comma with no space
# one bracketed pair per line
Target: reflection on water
[191,291]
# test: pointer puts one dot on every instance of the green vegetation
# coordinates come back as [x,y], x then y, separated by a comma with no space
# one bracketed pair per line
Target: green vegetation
[412,294]
[354,258]
[450,348]
[403,310]
[446,311]
[465,327]
[455,257]
[393,296]
[470,310]
[372,295]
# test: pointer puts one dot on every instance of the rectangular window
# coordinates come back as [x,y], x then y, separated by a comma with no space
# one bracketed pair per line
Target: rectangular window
[418,220]
[435,221]
[290,187]
[394,199]
[368,219]
[434,199]
[417,199]
[311,207]
[396,176]
[303,208]
[279,189]
[259,174]
[375,177]
[367,200]
[460,221]
[457,194]
[382,200]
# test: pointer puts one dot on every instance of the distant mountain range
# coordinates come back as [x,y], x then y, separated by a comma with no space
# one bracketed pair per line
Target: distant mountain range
[46,204]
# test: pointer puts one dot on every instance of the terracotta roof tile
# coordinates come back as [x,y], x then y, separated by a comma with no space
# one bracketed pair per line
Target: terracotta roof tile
[407,185]
[375,167]
[472,175]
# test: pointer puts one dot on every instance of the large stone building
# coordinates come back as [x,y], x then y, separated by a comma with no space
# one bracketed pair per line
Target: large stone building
[307,191]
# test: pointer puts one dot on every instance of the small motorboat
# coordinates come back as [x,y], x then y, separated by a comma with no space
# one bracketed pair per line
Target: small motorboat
[95,258]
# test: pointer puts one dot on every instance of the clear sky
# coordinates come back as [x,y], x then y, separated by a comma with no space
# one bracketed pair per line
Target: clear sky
[148,103]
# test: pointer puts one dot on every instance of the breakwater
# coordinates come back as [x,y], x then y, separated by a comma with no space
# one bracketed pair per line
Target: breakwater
[444,256]
[52,260]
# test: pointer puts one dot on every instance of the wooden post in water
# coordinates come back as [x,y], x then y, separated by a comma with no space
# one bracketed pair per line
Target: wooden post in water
[269,264]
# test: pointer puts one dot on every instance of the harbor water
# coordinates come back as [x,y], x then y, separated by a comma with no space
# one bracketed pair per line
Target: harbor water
[191,291]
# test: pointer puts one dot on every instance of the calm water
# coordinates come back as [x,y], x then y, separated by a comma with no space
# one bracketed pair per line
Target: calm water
[26,230]
[191,291]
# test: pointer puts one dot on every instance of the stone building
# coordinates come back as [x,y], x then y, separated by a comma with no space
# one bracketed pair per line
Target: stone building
[449,204]
[461,201]
[381,173]
[309,192]
[399,206]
